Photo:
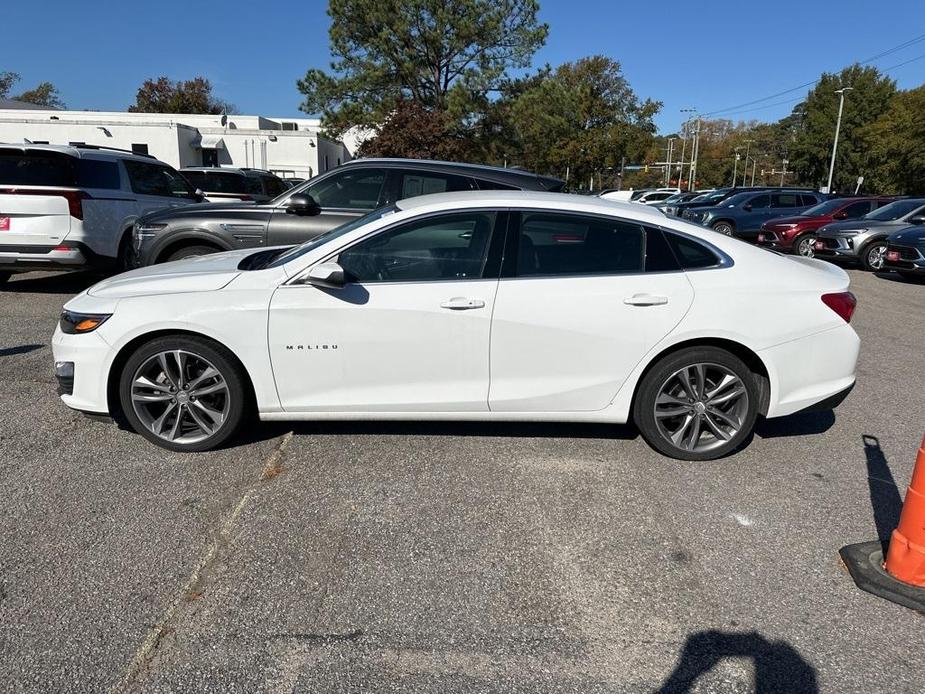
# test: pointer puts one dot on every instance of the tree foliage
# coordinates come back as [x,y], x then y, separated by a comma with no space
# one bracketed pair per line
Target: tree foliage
[162,95]
[896,145]
[44,94]
[865,103]
[391,51]
[417,132]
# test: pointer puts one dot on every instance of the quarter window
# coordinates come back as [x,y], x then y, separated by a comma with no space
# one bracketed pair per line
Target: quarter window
[354,190]
[447,247]
[559,244]
[690,254]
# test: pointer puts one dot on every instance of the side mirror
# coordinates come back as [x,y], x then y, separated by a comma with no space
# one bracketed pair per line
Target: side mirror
[327,275]
[917,219]
[840,215]
[303,204]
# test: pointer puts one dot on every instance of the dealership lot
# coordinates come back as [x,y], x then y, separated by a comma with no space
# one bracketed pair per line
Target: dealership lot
[451,557]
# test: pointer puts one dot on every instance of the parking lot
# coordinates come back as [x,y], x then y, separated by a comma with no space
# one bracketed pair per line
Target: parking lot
[452,557]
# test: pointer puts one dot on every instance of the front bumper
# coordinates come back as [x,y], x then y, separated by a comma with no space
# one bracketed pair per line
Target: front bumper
[905,259]
[90,356]
[775,239]
[837,248]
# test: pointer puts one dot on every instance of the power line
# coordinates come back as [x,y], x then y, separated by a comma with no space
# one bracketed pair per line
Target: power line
[882,54]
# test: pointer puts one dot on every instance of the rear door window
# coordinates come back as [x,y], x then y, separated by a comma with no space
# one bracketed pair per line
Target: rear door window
[760,202]
[414,183]
[858,209]
[785,200]
[98,173]
[37,168]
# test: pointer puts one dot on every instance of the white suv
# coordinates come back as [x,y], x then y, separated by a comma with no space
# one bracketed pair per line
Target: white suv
[73,207]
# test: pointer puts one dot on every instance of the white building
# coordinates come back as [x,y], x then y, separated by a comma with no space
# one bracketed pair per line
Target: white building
[289,147]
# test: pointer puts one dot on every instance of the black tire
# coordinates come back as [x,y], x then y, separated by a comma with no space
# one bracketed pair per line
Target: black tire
[803,245]
[664,372]
[126,259]
[876,249]
[4,276]
[218,357]
[724,227]
[191,252]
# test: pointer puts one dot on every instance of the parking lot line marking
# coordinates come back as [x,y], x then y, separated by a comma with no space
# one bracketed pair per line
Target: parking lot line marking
[148,647]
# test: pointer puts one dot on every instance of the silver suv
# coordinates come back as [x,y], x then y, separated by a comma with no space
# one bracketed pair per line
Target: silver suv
[863,240]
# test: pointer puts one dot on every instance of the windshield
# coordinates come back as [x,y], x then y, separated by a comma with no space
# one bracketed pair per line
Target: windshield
[677,197]
[827,207]
[894,210]
[736,199]
[311,244]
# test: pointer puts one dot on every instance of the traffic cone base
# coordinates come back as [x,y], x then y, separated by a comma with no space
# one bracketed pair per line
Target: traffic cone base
[865,564]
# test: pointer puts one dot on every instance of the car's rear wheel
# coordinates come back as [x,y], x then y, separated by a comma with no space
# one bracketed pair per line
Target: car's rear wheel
[4,276]
[873,256]
[724,228]
[804,245]
[699,403]
[191,252]
[183,393]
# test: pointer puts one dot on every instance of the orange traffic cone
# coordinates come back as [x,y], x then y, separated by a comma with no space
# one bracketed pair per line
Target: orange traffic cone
[905,558]
[901,578]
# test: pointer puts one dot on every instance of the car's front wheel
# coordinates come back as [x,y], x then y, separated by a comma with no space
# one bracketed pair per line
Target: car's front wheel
[184,393]
[804,245]
[724,228]
[191,252]
[699,403]
[873,256]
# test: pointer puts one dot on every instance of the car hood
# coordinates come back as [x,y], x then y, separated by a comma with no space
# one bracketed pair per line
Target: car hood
[201,274]
[207,209]
[914,235]
[798,219]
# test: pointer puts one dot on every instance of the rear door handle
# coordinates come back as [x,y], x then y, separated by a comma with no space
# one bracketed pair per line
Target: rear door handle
[461,303]
[645,300]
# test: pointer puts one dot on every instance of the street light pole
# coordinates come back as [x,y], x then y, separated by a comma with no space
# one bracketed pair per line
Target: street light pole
[668,164]
[783,172]
[693,164]
[693,175]
[841,105]
[735,166]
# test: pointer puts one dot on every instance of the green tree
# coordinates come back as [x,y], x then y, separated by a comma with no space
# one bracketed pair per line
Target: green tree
[7,80]
[896,143]
[387,51]
[45,94]
[163,95]
[812,148]
[416,132]
[581,119]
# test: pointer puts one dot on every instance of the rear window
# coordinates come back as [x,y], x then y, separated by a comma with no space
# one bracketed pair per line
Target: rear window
[96,173]
[219,182]
[37,169]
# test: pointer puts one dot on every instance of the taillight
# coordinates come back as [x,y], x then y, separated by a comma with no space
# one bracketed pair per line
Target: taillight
[74,198]
[842,303]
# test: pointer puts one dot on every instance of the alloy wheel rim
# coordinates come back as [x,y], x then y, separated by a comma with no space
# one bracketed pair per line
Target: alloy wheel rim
[805,248]
[180,396]
[875,257]
[700,407]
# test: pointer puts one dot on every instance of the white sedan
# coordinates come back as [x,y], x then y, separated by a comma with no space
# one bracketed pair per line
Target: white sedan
[490,305]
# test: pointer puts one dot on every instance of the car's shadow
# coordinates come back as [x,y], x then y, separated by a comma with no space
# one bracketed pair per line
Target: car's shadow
[263,431]
[799,424]
[52,283]
[894,277]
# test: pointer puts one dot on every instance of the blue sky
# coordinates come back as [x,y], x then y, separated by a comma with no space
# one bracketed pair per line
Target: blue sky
[98,52]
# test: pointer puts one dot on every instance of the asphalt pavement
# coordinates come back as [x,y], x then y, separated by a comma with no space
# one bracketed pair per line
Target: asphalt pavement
[333,557]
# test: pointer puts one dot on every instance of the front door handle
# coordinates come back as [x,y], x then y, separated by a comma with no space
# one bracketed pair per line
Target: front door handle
[645,300]
[461,303]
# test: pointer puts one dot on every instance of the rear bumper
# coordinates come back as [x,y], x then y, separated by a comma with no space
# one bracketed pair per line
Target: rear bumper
[24,258]
[812,370]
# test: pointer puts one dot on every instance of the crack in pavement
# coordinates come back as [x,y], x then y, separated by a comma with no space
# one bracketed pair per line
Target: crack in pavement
[195,582]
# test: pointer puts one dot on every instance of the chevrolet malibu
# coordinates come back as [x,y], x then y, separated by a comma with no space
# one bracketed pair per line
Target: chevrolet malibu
[492,305]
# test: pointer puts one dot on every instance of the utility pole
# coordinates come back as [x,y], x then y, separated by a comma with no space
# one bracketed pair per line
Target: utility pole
[783,172]
[684,135]
[693,165]
[735,166]
[754,166]
[748,146]
[696,153]
[841,105]
[668,162]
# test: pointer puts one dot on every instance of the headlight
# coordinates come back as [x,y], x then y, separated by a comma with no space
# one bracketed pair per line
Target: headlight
[78,323]
[141,231]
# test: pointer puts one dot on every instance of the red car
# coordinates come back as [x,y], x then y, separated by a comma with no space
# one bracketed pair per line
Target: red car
[798,234]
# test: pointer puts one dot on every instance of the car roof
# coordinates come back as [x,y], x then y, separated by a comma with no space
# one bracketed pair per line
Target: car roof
[215,169]
[78,151]
[525,199]
[493,173]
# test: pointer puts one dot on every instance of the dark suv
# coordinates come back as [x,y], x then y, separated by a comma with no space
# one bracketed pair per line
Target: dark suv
[743,214]
[324,202]
[221,184]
